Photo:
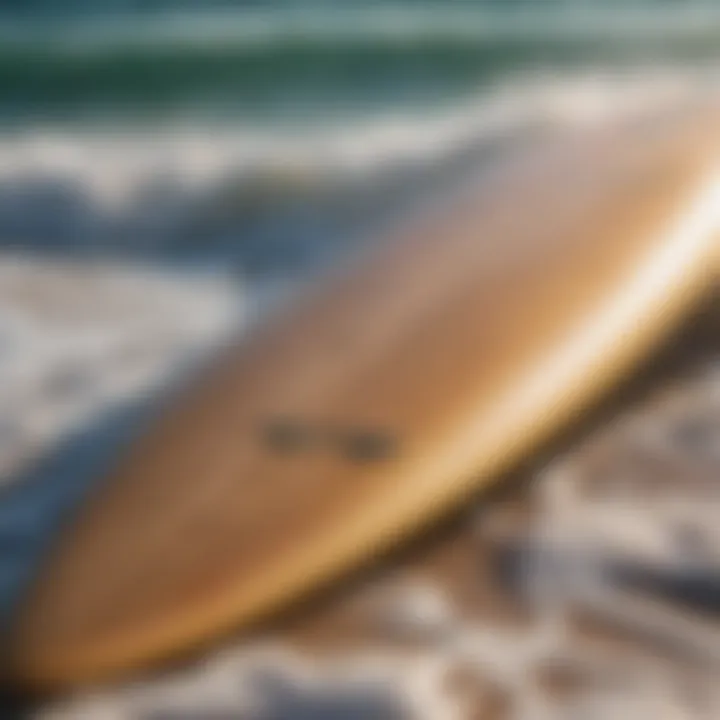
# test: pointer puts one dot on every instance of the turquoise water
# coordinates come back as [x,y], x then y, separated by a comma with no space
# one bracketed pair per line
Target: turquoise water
[254,132]
[288,62]
[205,128]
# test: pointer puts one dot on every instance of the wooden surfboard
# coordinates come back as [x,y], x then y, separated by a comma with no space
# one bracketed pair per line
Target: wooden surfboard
[383,397]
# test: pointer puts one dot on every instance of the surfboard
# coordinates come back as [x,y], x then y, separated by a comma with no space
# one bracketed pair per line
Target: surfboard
[382,397]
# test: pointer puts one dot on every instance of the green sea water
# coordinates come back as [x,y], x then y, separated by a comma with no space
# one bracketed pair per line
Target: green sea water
[280,62]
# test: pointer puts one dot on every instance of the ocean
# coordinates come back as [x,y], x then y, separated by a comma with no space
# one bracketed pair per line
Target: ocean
[303,63]
[248,135]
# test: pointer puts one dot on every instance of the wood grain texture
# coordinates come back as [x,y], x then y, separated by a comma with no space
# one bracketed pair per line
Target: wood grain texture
[383,397]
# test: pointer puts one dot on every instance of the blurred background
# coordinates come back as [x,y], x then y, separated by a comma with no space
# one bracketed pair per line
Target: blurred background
[171,168]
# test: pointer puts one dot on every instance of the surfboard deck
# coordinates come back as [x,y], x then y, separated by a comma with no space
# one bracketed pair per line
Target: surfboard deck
[382,398]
